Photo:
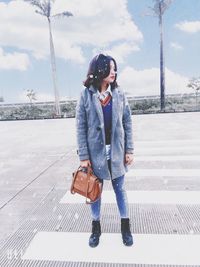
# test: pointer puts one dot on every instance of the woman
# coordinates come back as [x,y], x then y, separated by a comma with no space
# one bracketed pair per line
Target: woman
[104,137]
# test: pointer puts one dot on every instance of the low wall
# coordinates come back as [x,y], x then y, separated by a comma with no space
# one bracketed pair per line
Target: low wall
[148,105]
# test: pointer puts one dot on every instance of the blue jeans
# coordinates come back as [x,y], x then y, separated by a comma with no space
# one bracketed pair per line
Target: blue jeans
[121,198]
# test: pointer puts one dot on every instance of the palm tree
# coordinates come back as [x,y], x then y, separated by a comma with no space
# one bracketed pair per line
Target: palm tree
[158,10]
[44,8]
[194,83]
[31,95]
[1,96]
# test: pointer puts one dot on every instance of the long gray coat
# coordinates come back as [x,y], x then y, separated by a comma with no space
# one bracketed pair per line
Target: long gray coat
[91,133]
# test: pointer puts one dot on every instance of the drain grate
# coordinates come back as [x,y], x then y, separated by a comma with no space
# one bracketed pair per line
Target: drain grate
[52,216]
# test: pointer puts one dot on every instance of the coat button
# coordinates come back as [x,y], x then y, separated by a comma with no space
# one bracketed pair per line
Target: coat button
[98,128]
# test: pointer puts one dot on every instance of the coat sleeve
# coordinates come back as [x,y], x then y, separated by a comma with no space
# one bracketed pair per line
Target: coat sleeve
[81,129]
[127,124]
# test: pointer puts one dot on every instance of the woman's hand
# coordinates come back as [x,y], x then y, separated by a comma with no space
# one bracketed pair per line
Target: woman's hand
[85,163]
[128,159]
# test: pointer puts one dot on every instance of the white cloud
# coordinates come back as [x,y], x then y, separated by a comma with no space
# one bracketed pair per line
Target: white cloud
[22,28]
[120,52]
[13,61]
[95,23]
[146,82]
[189,26]
[176,46]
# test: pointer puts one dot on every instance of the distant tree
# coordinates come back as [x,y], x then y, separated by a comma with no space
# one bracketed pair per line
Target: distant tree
[158,10]
[44,8]
[31,95]
[194,83]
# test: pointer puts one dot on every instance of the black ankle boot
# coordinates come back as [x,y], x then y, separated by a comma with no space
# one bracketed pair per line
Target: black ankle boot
[96,232]
[126,232]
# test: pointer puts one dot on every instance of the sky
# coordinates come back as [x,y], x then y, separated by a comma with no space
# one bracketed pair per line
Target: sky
[124,29]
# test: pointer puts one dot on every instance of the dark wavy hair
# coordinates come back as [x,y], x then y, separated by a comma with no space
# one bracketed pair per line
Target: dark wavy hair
[99,68]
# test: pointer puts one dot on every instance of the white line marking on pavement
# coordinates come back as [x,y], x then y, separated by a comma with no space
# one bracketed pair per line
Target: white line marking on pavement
[165,142]
[147,248]
[142,197]
[164,172]
[167,158]
[167,148]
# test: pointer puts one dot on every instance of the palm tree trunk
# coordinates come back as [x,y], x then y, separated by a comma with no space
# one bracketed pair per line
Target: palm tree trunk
[162,68]
[53,65]
[196,95]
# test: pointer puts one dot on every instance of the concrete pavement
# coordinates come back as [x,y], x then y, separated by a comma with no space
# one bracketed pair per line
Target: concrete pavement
[39,222]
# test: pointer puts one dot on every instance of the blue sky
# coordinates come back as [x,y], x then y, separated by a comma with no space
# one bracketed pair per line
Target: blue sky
[117,27]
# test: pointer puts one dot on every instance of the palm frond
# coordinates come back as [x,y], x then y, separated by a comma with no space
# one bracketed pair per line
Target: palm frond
[38,4]
[44,6]
[194,83]
[63,14]
[149,12]
[160,6]
[33,2]
[39,12]
[165,5]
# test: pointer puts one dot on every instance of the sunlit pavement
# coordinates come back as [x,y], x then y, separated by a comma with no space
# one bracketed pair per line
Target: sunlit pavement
[42,224]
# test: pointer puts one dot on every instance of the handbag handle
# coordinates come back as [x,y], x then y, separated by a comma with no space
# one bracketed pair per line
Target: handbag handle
[89,171]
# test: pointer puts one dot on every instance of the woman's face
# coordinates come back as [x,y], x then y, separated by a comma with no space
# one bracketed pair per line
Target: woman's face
[111,77]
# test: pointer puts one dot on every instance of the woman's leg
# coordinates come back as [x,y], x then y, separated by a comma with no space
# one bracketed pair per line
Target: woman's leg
[122,202]
[121,196]
[96,226]
[96,208]
[120,193]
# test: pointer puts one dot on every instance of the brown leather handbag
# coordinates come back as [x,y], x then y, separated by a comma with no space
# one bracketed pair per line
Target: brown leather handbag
[86,184]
